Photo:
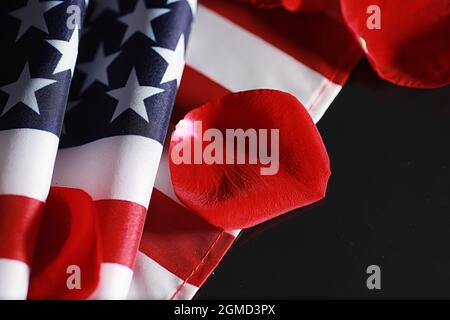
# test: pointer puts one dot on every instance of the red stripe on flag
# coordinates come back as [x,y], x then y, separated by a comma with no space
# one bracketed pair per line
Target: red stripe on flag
[120,224]
[182,242]
[19,224]
[315,39]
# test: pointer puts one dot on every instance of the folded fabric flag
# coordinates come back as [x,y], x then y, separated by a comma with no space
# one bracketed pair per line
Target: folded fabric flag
[130,66]
[39,50]
[234,47]
[128,71]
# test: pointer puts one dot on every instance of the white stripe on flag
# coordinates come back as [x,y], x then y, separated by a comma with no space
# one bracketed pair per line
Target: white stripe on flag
[163,182]
[26,162]
[119,168]
[14,277]
[239,60]
[154,282]
[114,282]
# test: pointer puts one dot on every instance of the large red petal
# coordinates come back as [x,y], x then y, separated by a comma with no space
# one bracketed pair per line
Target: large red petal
[412,48]
[234,196]
[67,237]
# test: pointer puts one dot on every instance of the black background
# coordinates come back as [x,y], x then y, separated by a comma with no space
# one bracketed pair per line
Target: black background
[388,203]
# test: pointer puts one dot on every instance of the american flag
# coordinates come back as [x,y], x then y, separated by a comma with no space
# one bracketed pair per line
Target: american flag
[92,194]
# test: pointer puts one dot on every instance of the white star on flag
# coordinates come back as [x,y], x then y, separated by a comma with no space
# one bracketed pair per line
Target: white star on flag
[32,15]
[141,21]
[102,5]
[69,51]
[97,69]
[191,3]
[23,90]
[175,60]
[132,97]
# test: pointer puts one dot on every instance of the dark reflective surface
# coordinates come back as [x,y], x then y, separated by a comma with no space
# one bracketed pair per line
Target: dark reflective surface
[388,203]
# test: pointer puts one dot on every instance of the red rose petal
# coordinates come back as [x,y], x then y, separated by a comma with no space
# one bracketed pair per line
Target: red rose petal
[294,5]
[412,48]
[233,196]
[67,237]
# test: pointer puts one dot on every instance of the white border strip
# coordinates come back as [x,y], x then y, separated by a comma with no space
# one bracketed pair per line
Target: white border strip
[324,100]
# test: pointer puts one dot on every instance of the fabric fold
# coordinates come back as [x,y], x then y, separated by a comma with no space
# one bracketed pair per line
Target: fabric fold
[39,49]
[127,75]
